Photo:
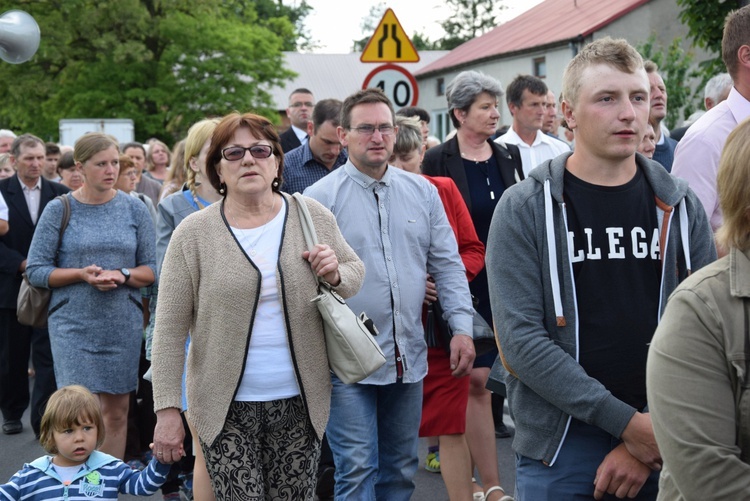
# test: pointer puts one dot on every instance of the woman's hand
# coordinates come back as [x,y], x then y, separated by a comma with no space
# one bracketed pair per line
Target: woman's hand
[100,279]
[168,436]
[324,262]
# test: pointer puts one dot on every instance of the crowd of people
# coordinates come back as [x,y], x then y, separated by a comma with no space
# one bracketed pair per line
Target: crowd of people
[183,351]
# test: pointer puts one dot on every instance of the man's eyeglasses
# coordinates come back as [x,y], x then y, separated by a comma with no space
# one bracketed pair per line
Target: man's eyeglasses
[369,130]
[234,153]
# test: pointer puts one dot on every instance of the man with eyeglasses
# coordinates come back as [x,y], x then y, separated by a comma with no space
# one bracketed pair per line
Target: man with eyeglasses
[396,224]
[301,103]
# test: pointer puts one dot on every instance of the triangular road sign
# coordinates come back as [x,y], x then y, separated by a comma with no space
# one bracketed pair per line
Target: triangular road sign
[389,43]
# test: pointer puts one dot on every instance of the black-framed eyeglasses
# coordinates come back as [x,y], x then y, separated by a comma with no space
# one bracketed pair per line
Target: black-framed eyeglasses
[369,130]
[234,153]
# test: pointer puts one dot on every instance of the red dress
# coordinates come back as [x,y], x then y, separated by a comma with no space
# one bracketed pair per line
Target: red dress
[444,396]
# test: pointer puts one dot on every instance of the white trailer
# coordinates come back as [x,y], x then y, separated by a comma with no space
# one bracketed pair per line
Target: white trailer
[73,128]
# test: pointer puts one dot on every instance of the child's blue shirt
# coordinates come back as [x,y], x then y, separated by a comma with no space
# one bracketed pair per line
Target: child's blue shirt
[100,477]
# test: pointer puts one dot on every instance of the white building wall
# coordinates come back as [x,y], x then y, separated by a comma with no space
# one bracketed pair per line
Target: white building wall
[503,70]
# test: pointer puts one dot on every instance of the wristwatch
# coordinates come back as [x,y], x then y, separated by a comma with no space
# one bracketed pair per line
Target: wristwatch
[125,273]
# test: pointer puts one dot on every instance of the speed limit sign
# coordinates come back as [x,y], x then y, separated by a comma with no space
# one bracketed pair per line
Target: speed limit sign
[398,84]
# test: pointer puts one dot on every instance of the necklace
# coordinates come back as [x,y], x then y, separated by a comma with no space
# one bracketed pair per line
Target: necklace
[263,230]
[475,160]
[483,166]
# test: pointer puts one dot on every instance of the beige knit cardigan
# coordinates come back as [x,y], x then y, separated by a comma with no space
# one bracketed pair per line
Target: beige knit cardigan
[210,288]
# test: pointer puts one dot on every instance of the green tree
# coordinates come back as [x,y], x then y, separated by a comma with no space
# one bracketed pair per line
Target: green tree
[422,42]
[470,19]
[675,68]
[705,22]
[277,16]
[163,63]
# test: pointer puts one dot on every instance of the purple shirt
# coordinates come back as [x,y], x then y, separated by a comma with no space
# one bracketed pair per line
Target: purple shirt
[696,158]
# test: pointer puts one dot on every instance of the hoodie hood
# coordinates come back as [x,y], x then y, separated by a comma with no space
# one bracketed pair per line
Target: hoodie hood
[667,188]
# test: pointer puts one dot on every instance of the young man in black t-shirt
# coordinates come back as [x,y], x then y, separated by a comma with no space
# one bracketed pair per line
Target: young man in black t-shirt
[581,258]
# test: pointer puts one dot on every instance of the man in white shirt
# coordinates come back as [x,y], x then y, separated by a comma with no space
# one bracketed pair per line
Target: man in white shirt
[527,100]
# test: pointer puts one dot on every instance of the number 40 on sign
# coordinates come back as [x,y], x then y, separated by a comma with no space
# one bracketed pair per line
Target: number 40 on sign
[398,84]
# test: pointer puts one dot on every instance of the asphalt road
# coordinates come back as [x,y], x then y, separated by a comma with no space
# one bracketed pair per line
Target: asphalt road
[15,450]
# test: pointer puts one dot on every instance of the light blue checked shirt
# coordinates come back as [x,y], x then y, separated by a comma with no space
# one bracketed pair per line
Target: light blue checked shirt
[398,228]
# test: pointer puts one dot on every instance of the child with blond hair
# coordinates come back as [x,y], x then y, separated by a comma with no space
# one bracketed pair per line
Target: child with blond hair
[71,430]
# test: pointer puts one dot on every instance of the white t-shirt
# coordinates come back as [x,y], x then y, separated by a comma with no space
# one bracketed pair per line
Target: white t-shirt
[3,208]
[269,371]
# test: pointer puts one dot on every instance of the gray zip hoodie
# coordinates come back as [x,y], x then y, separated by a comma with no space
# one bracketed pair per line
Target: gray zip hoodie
[533,298]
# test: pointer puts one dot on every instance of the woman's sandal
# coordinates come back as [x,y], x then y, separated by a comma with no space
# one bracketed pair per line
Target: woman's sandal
[493,489]
[477,496]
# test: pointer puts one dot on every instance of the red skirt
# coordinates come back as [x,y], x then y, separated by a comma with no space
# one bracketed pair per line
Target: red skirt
[444,397]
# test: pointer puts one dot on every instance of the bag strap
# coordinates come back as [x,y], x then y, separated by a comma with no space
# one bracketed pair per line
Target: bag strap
[65,199]
[65,217]
[308,229]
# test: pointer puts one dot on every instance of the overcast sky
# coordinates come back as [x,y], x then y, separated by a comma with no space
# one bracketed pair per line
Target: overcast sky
[334,24]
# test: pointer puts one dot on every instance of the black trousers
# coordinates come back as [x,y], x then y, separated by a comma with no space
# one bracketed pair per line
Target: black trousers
[17,343]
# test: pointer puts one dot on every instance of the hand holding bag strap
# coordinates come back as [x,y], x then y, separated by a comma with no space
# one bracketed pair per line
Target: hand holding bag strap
[308,228]
[352,352]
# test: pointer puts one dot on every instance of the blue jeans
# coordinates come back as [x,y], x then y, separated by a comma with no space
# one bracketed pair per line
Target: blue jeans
[571,477]
[374,432]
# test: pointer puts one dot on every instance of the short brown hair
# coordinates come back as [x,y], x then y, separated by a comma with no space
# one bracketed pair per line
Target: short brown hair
[66,407]
[259,126]
[733,188]
[736,34]
[650,66]
[125,163]
[365,96]
[92,143]
[24,140]
[617,53]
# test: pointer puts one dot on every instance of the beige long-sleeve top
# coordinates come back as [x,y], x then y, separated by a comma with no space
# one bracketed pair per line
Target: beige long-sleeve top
[699,384]
[209,287]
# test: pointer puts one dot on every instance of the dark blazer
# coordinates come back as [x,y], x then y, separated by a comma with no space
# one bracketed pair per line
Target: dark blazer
[14,245]
[445,160]
[289,140]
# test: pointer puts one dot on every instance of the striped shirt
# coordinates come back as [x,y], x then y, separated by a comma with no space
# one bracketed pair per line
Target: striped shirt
[100,477]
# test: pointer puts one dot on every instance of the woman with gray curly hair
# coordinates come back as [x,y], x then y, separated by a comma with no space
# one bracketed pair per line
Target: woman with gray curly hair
[482,170]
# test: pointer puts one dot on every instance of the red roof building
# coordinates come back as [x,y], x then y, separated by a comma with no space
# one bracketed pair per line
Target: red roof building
[542,41]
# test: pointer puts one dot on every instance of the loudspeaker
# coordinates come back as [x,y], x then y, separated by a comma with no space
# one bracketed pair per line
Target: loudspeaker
[19,37]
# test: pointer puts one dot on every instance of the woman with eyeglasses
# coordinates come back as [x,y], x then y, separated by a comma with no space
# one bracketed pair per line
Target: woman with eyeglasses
[126,181]
[239,277]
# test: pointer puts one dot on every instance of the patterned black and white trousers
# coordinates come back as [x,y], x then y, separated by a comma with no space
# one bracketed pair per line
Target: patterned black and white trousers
[266,451]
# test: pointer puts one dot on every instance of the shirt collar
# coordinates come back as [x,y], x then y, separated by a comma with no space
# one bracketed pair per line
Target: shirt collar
[301,134]
[363,179]
[37,186]
[738,105]
[539,139]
